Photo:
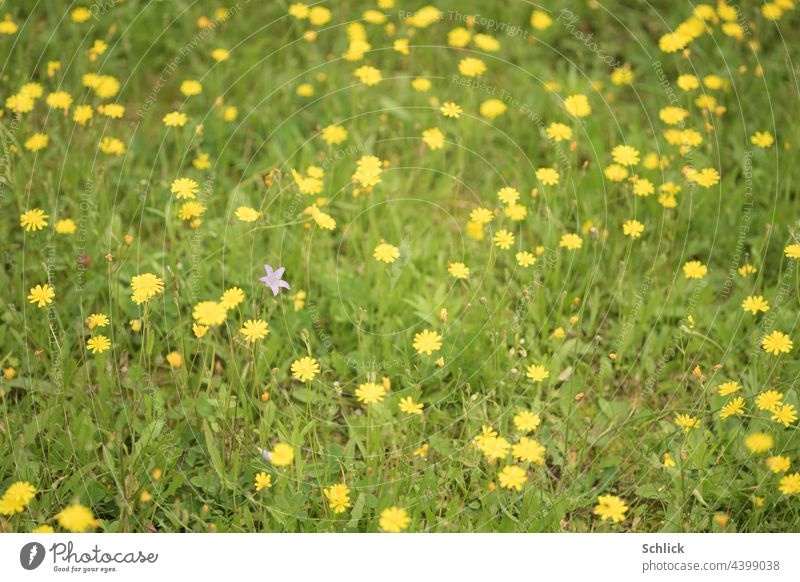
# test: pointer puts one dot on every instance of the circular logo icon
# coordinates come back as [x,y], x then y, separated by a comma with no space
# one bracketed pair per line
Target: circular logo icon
[31,555]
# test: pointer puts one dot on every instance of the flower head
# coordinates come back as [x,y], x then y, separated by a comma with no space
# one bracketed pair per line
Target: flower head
[492,108]
[769,400]
[263,481]
[493,447]
[305,369]
[527,421]
[16,498]
[571,242]
[558,132]
[427,342]
[433,138]
[334,134]
[97,320]
[481,216]
[541,20]
[184,188]
[632,228]
[762,139]
[410,406]
[471,67]
[112,145]
[778,463]
[785,414]
[33,220]
[687,422]
[190,88]
[525,259]
[232,298]
[610,507]
[394,519]
[615,172]
[370,393]
[547,176]
[174,359]
[706,177]
[577,105]
[754,304]
[175,119]
[59,100]
[98,344]
[458,270]
[758,442]
[386,253]
[41,295]
[254,330]
[777,343]
[210,313]
[36,142]
[504,239]
[733,408]
[368,75]
[66,226]
[625,155]
[146,286]
[694,270]
[338,497]
[247,214]
[792,251]
[512,477]
[528,450]
[281,455]
[790,484]
[274,279]
[450,109]
[537,372]
[77,518]
[727,388]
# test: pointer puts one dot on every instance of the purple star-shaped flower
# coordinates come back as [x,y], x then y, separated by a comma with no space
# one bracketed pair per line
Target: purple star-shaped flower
[273,279]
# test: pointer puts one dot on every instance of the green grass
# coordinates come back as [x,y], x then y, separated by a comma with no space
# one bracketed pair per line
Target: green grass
[92,428]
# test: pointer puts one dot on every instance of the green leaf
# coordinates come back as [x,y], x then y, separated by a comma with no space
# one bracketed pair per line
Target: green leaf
[147,436]
[214,456]
[357,512]
[305,395]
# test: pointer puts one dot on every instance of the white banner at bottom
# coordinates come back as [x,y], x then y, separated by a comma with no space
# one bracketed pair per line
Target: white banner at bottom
[384,557]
